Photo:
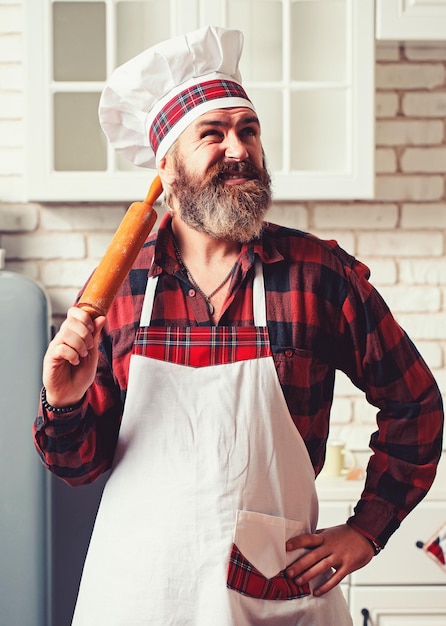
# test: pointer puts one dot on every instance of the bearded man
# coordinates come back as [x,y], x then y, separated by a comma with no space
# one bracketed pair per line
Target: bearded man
[207,390]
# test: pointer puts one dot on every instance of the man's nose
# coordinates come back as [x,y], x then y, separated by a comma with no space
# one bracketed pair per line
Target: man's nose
[235,148]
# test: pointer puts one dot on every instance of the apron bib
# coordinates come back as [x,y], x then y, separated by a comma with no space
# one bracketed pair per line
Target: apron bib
[209,480]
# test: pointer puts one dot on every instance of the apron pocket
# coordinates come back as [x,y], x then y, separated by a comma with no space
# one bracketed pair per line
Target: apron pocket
[258,558]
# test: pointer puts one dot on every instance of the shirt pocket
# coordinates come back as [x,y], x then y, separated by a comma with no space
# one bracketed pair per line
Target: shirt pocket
[258,557]
[301,368]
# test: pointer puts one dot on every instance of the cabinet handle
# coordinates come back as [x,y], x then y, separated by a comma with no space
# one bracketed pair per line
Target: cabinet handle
[365,614]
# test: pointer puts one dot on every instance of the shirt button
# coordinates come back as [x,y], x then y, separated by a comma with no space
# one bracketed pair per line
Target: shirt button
[289,352]
[192,292]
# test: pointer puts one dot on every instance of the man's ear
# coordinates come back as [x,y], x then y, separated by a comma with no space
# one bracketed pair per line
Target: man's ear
[166,170]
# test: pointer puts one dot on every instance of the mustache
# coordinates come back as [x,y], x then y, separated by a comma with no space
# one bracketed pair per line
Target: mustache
[220,170]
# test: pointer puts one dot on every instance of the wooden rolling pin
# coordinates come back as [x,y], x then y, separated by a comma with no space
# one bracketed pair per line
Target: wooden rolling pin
[120,254]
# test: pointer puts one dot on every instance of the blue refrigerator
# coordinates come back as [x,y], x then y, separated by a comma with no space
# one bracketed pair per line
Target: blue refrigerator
[45,525]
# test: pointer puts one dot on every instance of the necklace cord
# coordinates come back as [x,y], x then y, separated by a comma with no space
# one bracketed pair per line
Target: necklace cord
[193,282]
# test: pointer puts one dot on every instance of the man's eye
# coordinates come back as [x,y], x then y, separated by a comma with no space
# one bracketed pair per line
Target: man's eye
[210,133]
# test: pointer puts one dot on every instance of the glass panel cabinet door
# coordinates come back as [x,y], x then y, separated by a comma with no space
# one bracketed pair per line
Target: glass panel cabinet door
[140,25]
[319,41]
[79,144]
[79,41]
[308,66]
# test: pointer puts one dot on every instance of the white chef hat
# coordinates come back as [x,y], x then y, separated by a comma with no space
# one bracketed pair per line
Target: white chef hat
[152,98]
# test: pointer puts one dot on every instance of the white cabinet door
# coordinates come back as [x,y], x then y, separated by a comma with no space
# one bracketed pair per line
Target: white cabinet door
[398,606]
[401,562]
[411,19]
[333,513]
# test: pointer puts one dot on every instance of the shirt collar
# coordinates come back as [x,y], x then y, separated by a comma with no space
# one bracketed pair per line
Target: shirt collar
[166,260]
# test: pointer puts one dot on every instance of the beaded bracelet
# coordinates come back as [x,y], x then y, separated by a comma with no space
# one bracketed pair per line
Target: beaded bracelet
[65,409]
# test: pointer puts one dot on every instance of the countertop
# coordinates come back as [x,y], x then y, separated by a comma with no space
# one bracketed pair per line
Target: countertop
[343,489]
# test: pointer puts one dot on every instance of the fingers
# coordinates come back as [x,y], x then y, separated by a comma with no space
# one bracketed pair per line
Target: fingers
[76,336]
[306,541]
[71,360]
[329,584]
[334,552]
[314,562]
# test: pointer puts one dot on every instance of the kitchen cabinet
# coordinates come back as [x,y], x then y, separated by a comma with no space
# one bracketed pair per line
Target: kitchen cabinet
[406,20]
[308,66]
[401,585]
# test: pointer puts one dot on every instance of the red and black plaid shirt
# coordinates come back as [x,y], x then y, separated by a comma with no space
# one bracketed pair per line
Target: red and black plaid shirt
[322,315]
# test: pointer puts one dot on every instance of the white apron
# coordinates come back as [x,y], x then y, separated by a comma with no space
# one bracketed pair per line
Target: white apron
[210,478]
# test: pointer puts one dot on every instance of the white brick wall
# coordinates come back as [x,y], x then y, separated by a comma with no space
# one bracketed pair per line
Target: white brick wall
[409,132]
[426,160]
[424,104]
[12,101]
[401,244]
[409,75]
[401,235]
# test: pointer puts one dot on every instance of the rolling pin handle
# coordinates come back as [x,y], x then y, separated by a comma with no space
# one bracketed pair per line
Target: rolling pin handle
[120,254]
[91,310]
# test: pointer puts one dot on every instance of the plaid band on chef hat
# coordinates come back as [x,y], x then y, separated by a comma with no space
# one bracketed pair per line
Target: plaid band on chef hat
[152,98]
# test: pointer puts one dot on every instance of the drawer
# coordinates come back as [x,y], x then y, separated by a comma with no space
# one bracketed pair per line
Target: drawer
[398,606]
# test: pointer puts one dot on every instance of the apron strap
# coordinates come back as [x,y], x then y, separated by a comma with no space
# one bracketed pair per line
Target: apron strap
[258,295]
[146,313]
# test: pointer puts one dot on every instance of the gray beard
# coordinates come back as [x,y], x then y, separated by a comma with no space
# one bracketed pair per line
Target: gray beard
[229,212]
